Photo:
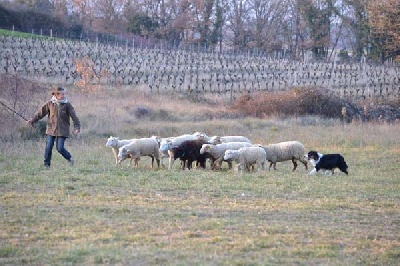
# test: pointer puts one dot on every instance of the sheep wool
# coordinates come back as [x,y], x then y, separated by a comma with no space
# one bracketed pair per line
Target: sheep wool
[285,151]
[115,143]
[217,152]
[140,147]
[168,144]
[247,156]
[225,139]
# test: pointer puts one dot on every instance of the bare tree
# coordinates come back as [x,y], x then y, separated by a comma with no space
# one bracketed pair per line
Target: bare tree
[237,23]
[266,17]
[108,14]
[83,9]
[60,9]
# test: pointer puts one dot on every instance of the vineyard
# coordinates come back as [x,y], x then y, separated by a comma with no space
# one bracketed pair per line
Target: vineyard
[88,65]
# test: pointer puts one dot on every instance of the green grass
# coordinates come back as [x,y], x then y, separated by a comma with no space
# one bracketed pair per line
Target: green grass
[96,213]
[20,34]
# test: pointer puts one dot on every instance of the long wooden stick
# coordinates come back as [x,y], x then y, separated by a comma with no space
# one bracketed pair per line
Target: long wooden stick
[15,112]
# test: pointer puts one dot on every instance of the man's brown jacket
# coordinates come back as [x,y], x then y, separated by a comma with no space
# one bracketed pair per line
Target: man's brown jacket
[58,118]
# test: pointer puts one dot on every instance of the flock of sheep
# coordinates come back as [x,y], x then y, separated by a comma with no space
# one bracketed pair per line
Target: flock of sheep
[198,147]
[191,72]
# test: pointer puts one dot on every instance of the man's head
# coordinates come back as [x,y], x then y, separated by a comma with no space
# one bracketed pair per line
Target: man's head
[59,93]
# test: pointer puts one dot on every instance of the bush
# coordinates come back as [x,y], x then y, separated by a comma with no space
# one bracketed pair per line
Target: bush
[31,133]
[296,102]
[141,112]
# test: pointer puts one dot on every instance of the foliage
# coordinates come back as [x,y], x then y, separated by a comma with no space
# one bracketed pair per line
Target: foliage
[89,79]
[288,28]
[30,133]
[295,102]
[344,56]
[318,22]
[353,14]
[216,34]
[8,18]
[384,20]
[26,20]
[142,25]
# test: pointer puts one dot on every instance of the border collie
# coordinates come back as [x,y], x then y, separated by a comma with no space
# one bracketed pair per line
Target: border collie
[327,162]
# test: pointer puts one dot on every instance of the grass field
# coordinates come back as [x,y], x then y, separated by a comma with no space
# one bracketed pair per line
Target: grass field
[20,34]
[96,213]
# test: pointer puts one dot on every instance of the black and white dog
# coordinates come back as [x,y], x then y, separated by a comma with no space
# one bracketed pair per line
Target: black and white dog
[327,162]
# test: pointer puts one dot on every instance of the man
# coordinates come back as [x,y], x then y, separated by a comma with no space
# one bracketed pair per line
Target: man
[58,111]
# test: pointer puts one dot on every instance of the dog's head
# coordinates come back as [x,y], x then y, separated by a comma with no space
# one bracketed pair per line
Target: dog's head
[313,155]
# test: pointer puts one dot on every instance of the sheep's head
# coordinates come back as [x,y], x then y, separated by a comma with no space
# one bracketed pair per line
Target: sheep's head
[158,139]
[206,148]
[112,141]
[122,154]
[215,140]
[231,155]
[200,135]
[165,145]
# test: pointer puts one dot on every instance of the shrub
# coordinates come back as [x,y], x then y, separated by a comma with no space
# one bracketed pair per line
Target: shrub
[296,102]
[141,112]
[33,133]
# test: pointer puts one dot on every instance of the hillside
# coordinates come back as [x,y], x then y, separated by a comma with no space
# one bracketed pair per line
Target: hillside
[88,65]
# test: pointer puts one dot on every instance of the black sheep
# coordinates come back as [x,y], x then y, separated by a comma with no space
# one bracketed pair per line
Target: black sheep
[189,151]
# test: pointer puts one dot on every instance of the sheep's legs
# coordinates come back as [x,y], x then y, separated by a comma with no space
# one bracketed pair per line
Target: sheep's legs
[294,165]
[260,167]
[171,160]
[115,152]
[135,162]
[305,163]
[217,164]
[152,161]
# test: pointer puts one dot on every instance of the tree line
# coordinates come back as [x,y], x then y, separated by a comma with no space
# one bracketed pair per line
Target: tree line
[351,29]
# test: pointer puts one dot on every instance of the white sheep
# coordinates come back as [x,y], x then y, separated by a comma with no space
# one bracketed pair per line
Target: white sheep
[226,139]
[116,143]
[201,136]
[285,151]
[247,156]
[140,147]
[163,153]
[217,152]
[168,144]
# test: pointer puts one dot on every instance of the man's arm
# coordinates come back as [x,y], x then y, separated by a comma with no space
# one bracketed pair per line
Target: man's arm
[40,113]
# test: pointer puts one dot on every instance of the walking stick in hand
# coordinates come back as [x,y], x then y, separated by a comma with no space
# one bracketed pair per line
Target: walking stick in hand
[15,112]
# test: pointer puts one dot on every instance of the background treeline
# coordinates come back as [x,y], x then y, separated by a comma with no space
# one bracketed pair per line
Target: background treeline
[28,20]
[293,29]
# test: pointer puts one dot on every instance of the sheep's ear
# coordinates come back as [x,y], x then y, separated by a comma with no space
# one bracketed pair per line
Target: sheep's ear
[210,147]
